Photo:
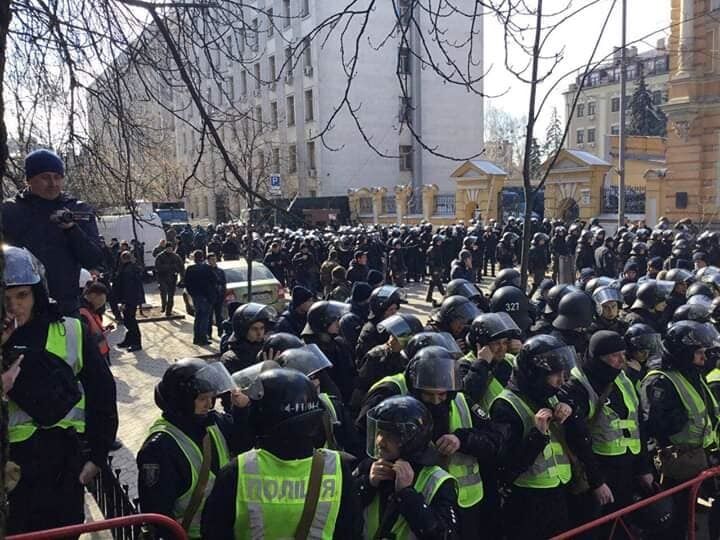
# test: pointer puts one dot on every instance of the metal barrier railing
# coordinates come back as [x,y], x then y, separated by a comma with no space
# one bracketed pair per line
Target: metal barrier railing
[113,499]
[124,522]
[617,519]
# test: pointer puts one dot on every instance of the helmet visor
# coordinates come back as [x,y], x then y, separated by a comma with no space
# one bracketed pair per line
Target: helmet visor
[703,335]
[317,363]
[386,439]
[652,343]
[664,289]
[215,378]
[441,339]
[259,312]
[700,300]
[468,290]
[607,294]
[397,326]
[385,292]
[562,359]
[501,325]
[438,375]
[21,267]
[247,380]
[335,309]
[467,312]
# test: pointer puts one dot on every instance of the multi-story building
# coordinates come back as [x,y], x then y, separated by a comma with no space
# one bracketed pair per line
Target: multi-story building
[597,113]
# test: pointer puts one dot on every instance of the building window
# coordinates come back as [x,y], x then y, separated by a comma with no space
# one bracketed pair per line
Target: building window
[311,155]
[404,110]
[591,108]
[255,38]
[405,158]
[290,110]
[259,116]
[256,74]
[304,8]
[231,89]
[243,83]
[389,205]
[273,114]
[276,160]
[615,130]
[288,61]
[271,23]
[309,113]
[286,13]
[615,104]
[580,136]
[307,54]
[292,159]
[580,110]
[261,163]
[404,61]
[591,135]
[444,205]
[365,205]
[271,66]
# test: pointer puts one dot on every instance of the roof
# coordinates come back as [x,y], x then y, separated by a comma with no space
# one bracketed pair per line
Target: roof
[587,157]
[487,167]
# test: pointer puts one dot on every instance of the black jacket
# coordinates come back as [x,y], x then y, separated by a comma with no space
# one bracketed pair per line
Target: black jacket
[357,272]
[200,280]
[168,266]
[128,286]
[290,322]
[26,223]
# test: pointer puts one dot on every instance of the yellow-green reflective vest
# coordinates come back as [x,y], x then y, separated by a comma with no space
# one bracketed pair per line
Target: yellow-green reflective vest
[606,427]
[64,339]
[427,483]
[551,468]
[330,420]
[194,456]
[464,468]
[713,376]
[699,431]
[271,496]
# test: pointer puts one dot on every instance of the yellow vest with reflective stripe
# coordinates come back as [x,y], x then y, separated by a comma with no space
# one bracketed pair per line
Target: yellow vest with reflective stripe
[699,430]
[330,420]
[463,467]
[713,376]
[494,386]
[193,454]
[551,468]
[427,483]
[607,428]
[271,496]
[64,339]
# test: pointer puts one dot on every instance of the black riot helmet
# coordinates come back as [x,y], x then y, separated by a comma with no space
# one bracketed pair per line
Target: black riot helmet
[680,275]
[185,380]
[507,276]
[406,421]
[456,308]
[684,338]
[428,339]
[575,311]
[540,356]
[469,242]
[603,295]
[651,293]
[282,341]
[543,289]
[595,283]
[643,338]
[463,287]
[433,368]
[515,303]
[309,360]
[691,312]
[629,292]
[382,298]
[699,288]
[402,326]
[323,314]
[247,315]
[491,327]
[555,294]
[289,407]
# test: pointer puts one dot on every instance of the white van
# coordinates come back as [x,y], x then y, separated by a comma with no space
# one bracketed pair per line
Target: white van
[149,230]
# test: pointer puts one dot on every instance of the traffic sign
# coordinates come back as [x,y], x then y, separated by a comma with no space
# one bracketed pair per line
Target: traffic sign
[275,182]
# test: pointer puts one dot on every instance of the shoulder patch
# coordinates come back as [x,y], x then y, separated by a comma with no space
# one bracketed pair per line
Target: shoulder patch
[480,412]
[150,474]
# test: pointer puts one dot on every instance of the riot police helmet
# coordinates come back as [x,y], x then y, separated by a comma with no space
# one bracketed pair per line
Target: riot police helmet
[434,369]
[507,276]
[309,360]
[463,287]
[515,303]
[643,338]
[454,308]
[401,326]
[399,427]
[652,293]
[280,342]
[575,311]
[429,339]
[324,314]
[540,356]
[383,297]
[490,327]
[247,315]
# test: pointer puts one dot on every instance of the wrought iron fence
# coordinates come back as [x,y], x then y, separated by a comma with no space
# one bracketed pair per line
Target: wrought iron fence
[444,205]
[634,200]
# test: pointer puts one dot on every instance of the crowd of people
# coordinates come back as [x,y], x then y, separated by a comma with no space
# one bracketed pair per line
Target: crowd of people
[516,411]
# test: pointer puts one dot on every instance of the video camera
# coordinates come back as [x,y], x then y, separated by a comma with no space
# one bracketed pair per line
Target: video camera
[67,216]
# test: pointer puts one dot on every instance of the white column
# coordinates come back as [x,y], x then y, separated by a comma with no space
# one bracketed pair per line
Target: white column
[685,42]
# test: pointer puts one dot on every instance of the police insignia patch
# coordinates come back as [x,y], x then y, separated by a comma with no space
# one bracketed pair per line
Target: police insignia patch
[151,474]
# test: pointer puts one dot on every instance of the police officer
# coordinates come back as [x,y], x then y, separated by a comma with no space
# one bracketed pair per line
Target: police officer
[575,313]
[650,303]
[265,492]
[537,260]
[608,302]
[64,395]
[435,264]
[384,302]
[188,438]
[681,411]
[250,322]
[454,316]
[461,268]
[643,351]
[293,319]
[459,434]
[404,493]
[515,303]
[535,464]
[493,339]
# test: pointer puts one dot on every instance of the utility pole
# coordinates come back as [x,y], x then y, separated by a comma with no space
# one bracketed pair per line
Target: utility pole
[621,137]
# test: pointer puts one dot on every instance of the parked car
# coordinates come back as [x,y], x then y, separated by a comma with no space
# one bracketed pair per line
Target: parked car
[266,289]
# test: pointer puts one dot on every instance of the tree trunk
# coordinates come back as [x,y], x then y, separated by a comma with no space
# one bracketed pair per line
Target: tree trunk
[4,444]
[528,189]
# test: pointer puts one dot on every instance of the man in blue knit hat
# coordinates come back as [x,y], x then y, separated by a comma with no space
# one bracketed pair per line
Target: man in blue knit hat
[58,229]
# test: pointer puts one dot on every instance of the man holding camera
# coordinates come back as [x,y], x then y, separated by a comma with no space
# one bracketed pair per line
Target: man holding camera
[58,229]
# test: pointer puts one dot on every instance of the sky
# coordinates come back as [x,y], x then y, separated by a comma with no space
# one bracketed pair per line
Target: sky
[578,36]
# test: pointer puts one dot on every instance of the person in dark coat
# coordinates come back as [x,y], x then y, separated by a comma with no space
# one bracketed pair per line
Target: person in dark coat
[168,265]
[358,270]
[293,319]
[63,243]
[216,313]
[128,288]
[200,284]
